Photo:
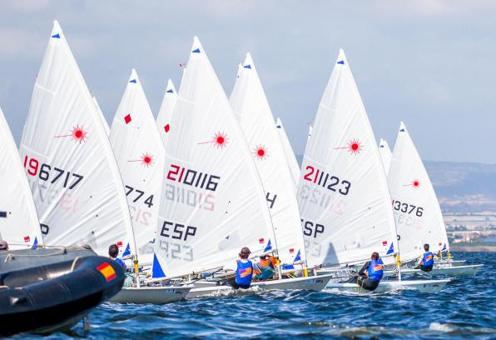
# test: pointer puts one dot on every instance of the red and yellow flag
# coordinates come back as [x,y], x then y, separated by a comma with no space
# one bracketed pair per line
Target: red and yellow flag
[107,271]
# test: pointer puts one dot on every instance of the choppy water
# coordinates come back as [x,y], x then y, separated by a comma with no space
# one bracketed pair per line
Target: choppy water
[465,308]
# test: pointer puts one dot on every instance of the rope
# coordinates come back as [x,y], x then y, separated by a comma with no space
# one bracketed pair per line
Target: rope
[74,263]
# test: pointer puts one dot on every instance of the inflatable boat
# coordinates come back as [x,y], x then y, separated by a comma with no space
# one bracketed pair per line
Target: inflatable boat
[54,295]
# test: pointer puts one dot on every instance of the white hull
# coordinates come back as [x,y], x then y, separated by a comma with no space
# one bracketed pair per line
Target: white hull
[453,271]
[314,283]
[425,286]
[154,295]
[216,291]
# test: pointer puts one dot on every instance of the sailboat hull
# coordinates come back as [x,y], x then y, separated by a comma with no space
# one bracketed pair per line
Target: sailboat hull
[452,271]
[151,295]
[313,283]
[425,286]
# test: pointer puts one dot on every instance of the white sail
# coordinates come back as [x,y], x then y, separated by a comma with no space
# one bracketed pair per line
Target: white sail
[416,209]
[291,160]
[212,200]
[19,224]
[72,171]
[252,109]
[102,116]
[386,155]
[140,156]
[165,113]
[343,195]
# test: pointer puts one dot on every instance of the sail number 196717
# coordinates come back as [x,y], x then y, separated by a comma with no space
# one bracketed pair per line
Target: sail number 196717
[51,174]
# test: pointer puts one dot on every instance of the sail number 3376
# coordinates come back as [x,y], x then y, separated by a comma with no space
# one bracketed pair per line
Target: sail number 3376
[408,208]
[326,180]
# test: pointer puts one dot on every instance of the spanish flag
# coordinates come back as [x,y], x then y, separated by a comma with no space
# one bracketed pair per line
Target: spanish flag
[107,271]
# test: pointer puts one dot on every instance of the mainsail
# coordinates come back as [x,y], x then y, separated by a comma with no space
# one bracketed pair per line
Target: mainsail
[19,224]
[140,156]
[343,195]
[386,155]
[165,112]
[416,209]
[72,171]
[212,200]
[291,161]
[252,109]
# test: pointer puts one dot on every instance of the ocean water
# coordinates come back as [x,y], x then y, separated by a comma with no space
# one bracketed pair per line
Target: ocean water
[465,308]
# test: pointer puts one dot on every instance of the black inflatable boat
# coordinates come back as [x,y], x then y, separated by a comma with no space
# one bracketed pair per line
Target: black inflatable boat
[56,294]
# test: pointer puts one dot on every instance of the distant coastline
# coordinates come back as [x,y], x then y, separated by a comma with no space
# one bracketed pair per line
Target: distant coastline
[474,247]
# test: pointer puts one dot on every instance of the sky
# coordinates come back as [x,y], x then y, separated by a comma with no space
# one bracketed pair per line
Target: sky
[430,63]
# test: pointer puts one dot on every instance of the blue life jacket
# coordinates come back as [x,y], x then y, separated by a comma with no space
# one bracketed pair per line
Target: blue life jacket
[121,263]
[428,259]
[244,272]
[375,270]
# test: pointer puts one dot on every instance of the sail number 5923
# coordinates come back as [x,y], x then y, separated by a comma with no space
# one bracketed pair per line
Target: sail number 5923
[326,180]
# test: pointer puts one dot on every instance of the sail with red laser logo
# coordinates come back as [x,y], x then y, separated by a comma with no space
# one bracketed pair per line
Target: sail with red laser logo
[76,185]
[252,109]
[416,209]
[212,200]
[140,156]
[343,195]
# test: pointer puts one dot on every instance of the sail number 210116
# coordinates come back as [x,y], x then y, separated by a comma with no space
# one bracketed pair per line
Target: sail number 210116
[326,180]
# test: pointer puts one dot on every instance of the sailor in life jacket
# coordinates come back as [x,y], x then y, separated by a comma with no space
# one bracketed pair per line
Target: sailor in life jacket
[244,270]
[266,267]
[427,261]
[371,273]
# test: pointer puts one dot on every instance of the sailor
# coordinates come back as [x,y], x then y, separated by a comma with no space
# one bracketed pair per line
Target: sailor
[371,273]
[265,268]
[244,270]
[4,245]
[427,261]
[113,253]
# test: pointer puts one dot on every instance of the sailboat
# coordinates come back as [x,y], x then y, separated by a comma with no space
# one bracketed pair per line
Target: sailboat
[213,201]
[291,160]
[71,169]
[417,211]
[254,115]
[19,224]
[386,155]
[140,156]
[343,193]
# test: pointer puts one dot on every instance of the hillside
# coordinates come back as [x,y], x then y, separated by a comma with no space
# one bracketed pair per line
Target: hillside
[463,187]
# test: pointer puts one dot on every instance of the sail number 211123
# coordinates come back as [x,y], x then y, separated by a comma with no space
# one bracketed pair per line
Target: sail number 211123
[326,180]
